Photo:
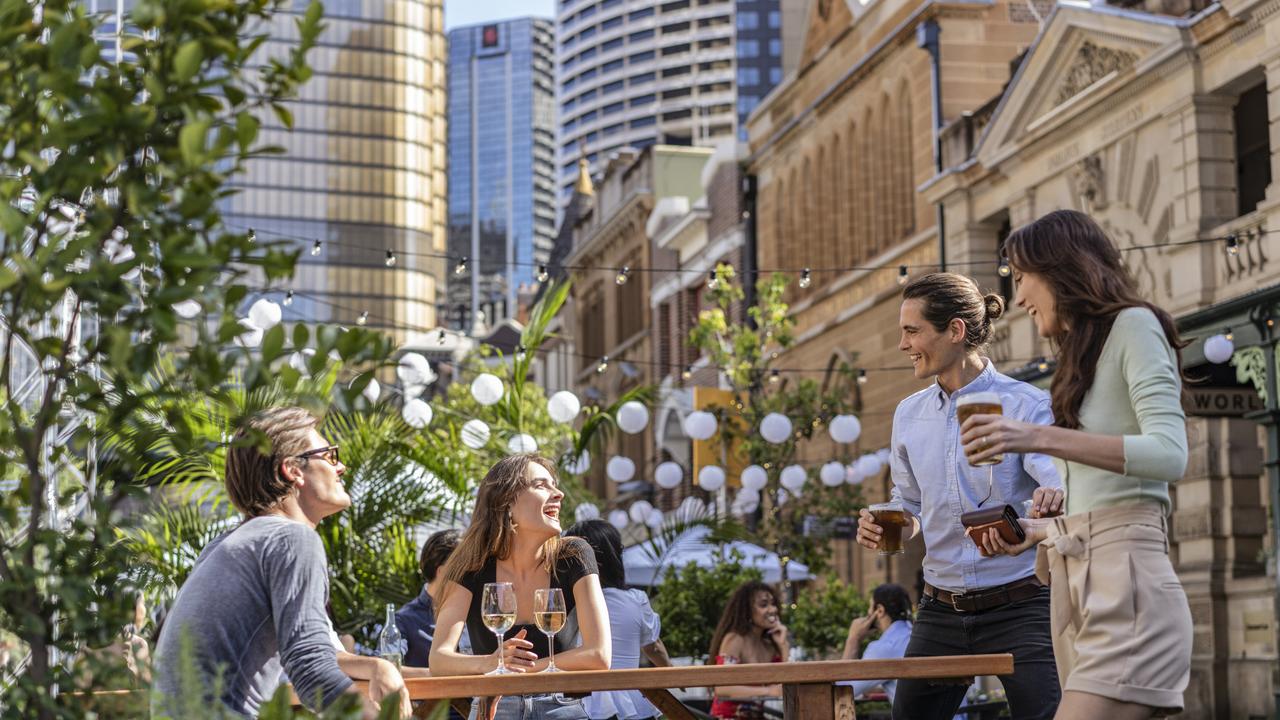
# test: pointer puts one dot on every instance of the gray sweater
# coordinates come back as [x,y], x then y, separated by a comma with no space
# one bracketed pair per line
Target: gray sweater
[253,605]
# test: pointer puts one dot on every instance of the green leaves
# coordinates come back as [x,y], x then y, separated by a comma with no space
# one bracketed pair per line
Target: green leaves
[820,620]
[187,61]
[191,141]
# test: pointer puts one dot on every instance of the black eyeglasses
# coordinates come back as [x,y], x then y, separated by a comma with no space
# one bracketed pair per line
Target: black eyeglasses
[330,454]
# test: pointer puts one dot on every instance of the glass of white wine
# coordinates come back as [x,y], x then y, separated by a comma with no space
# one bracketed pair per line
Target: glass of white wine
[548,615]
[498,610]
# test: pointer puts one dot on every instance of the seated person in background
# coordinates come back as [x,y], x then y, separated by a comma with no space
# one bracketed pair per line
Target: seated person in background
[750,631]
[890,615]
[416,620]
[633,624]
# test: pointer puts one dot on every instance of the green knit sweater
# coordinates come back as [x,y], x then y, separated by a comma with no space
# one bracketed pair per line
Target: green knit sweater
[1136,393]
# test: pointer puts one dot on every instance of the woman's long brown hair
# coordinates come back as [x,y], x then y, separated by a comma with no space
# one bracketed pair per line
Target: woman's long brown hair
[1090,285]
[737,614]
[492,533]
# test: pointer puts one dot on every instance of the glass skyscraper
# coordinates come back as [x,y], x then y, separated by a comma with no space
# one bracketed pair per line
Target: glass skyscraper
[501,163]
[759,50]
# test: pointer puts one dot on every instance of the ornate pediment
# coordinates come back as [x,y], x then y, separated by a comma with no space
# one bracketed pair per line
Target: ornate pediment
[1092,63]
[827,19]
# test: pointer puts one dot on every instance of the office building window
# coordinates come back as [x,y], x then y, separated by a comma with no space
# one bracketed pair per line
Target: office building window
[611,66]
[748,20]
[611,23]
[748,48]
[611,45]
[775,75]
[639,14]
[612,87]
[643,122]
[748,76]
[641,57]
[641,78]
[643,99]
[775,19]
[640,35]
[775,48]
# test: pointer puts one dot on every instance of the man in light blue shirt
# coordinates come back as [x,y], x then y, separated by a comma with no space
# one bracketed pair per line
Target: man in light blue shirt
[890,614]
[971,604]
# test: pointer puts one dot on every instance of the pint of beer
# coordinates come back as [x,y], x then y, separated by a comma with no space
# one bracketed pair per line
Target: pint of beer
[980,403]
[892,517]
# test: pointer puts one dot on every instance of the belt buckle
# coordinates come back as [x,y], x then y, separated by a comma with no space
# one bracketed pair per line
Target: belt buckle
[964,598]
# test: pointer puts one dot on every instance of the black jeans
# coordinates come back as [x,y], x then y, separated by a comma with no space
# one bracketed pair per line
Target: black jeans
[1020,628]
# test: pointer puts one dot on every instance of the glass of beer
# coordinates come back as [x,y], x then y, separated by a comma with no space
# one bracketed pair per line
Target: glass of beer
[892,517]
[981,403]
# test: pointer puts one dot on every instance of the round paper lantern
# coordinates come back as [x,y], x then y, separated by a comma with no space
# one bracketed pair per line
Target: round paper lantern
[417,413]
[620,469]
[868,466]
[884,454]
[187,309]
[372,391]
[522,443]
[744,496]
[785,495]
[264,314]
[580,464]
[486,389]
[845,428]
[563,406]
[475,433]
[654,519]
[639,510]
[632,417]
[746,502]
[793,477]
[776,428]
[754,477]
[1218,349]
[851,474]
[299,360]
[711,478]
[700,425]
[619,519]
[668,475]
[414,369]
[832,474]
[251,337]
[586,511]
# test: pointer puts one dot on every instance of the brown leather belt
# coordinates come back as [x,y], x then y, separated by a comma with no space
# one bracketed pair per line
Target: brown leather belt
[986,598]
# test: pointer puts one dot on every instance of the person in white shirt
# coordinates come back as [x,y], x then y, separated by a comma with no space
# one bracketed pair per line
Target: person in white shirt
[890,615]
[635,626]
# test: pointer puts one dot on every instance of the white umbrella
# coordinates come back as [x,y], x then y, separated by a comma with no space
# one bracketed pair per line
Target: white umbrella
[646,563]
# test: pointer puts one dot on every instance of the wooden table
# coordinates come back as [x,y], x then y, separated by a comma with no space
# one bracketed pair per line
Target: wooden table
[807,687]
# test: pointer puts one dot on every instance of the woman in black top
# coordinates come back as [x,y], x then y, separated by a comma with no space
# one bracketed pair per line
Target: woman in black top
[515,537]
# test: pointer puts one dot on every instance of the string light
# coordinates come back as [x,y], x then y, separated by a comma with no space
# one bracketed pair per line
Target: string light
[806,278]
[687,373]
[364,318]
[1042,365]
[461,267]
[623,275]
[252,235]
[774,377]
[903,277]
[315,249]
[1229,335]
[603,365]
[862,377]
[288,298]
[440,337]
[520,352]
[543,274]
[391,259]
[1233,245]
[713,282]
[1004,269]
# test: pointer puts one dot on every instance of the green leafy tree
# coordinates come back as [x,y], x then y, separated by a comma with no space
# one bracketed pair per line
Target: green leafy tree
[821,616]
[746,352]
[691,599]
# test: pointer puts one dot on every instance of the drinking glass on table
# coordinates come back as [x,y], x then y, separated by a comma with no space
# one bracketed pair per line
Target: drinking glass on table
[498,611]
[549,615]
[981,403]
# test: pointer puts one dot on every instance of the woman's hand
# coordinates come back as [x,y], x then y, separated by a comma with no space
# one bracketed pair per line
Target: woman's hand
[986,436]
[991,544]
[1046,502]
[778,633]
[518,652]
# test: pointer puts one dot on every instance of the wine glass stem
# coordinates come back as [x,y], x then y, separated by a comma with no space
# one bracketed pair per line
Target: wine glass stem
[502,664]
[551,643]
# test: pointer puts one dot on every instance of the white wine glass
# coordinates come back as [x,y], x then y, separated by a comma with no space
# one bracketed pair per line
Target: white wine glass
[549,615]
[498,611]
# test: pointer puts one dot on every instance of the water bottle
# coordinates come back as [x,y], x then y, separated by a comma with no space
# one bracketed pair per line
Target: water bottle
[390,645]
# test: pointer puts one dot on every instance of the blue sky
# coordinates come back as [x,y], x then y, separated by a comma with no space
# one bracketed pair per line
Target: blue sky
[468,12]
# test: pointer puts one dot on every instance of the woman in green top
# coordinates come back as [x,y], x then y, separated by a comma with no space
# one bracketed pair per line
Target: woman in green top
[1121,623]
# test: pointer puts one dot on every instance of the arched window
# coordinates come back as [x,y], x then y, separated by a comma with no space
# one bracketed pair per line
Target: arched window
[839,252]
[905,163]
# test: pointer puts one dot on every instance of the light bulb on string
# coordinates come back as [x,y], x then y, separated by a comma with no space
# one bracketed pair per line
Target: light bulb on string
[461,267]
[252,235]
[862,377]
[1233,244]
[713,282]
[1229,335]
[903,277]
[806,278]
[1004,270]
[543,274]
[391,259]
[315,248]
[687,373]
[520,352]
[441,336]
[1042,365]
[288,298]
[363,319]
[623,275]
[774,377]
[603,364]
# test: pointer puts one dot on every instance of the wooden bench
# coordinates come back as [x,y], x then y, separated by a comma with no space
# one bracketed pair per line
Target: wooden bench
[808,691]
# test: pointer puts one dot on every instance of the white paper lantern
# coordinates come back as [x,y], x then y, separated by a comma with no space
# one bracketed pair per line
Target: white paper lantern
[639,510]
[522,443]
[563,406]
[1218,349]
[619,519]
[251,337]
[586,511]
[187,309]
[299,360]
[414,370]
[654,519]
[700,425]
[793,477]
[486,389]
[633,416]
[851,474]
[580,464]
[372,391]
[745,502]
[417,413]
[868,466]
[264,314]
[785,495]
[668,475]
[845,428]
[832,474]
[884,454]
[776,428]
[745,495]
[754,477]
[620,469]
[475,433]
[711,478]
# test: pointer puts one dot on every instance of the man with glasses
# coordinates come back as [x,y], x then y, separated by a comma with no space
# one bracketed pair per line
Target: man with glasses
[253,607]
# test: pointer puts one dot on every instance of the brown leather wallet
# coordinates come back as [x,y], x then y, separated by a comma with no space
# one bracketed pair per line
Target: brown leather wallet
[1001,517]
